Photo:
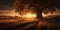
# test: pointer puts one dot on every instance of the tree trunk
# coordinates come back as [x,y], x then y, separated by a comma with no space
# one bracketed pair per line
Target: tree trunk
[39,13]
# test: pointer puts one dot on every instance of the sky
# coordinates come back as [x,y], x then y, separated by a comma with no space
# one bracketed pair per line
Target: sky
[6,7]
[6,4]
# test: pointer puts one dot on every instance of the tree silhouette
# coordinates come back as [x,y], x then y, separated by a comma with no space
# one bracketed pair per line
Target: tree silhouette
[38,5]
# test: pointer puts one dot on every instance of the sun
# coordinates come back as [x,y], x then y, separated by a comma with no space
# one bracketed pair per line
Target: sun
[30,15]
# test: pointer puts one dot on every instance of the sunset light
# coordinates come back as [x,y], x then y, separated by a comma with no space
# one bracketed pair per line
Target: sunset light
[29,15]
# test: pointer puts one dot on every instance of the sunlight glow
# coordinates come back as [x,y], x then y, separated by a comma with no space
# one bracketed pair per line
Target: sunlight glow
[29,16]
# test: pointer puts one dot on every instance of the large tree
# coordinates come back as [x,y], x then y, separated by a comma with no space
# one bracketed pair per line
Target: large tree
[38,5]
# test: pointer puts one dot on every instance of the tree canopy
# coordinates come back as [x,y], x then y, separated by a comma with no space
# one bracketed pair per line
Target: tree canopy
[38,4]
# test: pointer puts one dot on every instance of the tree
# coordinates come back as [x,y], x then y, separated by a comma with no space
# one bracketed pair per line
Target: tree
[38,5]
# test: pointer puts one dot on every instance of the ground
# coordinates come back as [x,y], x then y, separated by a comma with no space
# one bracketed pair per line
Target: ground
[46,24]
